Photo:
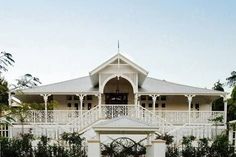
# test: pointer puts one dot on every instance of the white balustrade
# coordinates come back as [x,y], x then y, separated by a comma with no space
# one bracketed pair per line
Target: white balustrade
[181,117]
[53,116]
[113,111]
[60,121]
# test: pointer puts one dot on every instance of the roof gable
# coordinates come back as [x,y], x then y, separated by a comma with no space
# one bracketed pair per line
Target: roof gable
[119,59]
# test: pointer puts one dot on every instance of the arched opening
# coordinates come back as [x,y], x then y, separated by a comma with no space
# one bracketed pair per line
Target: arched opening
[118,91]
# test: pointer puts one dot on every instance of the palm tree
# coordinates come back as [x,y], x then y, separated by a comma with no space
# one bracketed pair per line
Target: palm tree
[5,60]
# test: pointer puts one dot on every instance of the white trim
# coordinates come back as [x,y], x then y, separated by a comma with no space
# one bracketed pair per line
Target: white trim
[120,56]
[101,88]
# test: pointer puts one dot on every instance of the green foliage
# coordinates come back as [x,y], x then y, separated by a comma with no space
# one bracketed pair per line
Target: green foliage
[27,81]
[168,138]
[232,79]
[172,152]
[218,105]
[221,147]
[3,92]
[41,106]
[22,147]
[75,144]
[231,115]
[188,149]
[5,61]
[203,147]
[18,147]
[217,119]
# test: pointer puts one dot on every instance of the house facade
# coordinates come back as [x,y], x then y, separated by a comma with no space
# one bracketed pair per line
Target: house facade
[121,88]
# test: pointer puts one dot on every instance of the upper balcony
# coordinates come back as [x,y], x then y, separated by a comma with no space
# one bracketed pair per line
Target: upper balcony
[175,117]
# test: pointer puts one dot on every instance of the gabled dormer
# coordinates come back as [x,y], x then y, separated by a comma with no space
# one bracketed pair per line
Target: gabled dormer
[118,66]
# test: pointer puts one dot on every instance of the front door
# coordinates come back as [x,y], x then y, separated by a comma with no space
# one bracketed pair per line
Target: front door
[116,98]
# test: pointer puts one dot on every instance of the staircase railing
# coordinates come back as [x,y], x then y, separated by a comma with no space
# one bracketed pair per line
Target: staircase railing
[149,117]
[83,121]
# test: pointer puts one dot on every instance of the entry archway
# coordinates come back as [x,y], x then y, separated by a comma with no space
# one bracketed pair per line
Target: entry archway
[118,91]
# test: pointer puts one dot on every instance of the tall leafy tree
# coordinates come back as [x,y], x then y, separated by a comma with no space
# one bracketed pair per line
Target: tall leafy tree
[231,80]
[218,105]
[232,106]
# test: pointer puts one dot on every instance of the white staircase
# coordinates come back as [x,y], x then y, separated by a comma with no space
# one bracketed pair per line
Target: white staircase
[140,113]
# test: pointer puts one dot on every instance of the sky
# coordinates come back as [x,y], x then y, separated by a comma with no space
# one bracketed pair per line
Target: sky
[191,42]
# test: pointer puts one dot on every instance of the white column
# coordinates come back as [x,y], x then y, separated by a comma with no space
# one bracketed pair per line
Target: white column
[154,98]
[190,98]
[136,104]
[9,98]
[136,99]
[45,98]
[81,98]
[158,148]
[94,149]
[99,104]
[225,109]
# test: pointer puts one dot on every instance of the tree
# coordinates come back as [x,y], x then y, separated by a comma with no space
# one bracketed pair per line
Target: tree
[231,115]
[5,110]
[232,79]
[218,105]
[232,101]
[3,92]
[27,81]
[5,61]
[21,113]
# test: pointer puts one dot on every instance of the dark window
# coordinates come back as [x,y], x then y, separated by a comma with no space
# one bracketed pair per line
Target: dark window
[69,105]
[163,98]
[76,97]
[143,105]
[89,97]
[76,105]
[191,105]
[143,97]
[83,104]
[69,97]
[197,106]
[149,98]
[89,106]
[156,105]
[157,98]
[163,105]
[150,105]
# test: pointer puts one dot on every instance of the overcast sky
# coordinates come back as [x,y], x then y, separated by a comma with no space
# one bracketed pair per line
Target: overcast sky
[191,42]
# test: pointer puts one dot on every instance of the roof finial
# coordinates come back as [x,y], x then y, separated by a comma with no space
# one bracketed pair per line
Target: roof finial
[118,46]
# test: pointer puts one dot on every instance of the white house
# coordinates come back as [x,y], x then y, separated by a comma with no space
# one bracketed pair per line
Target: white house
[119,88]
